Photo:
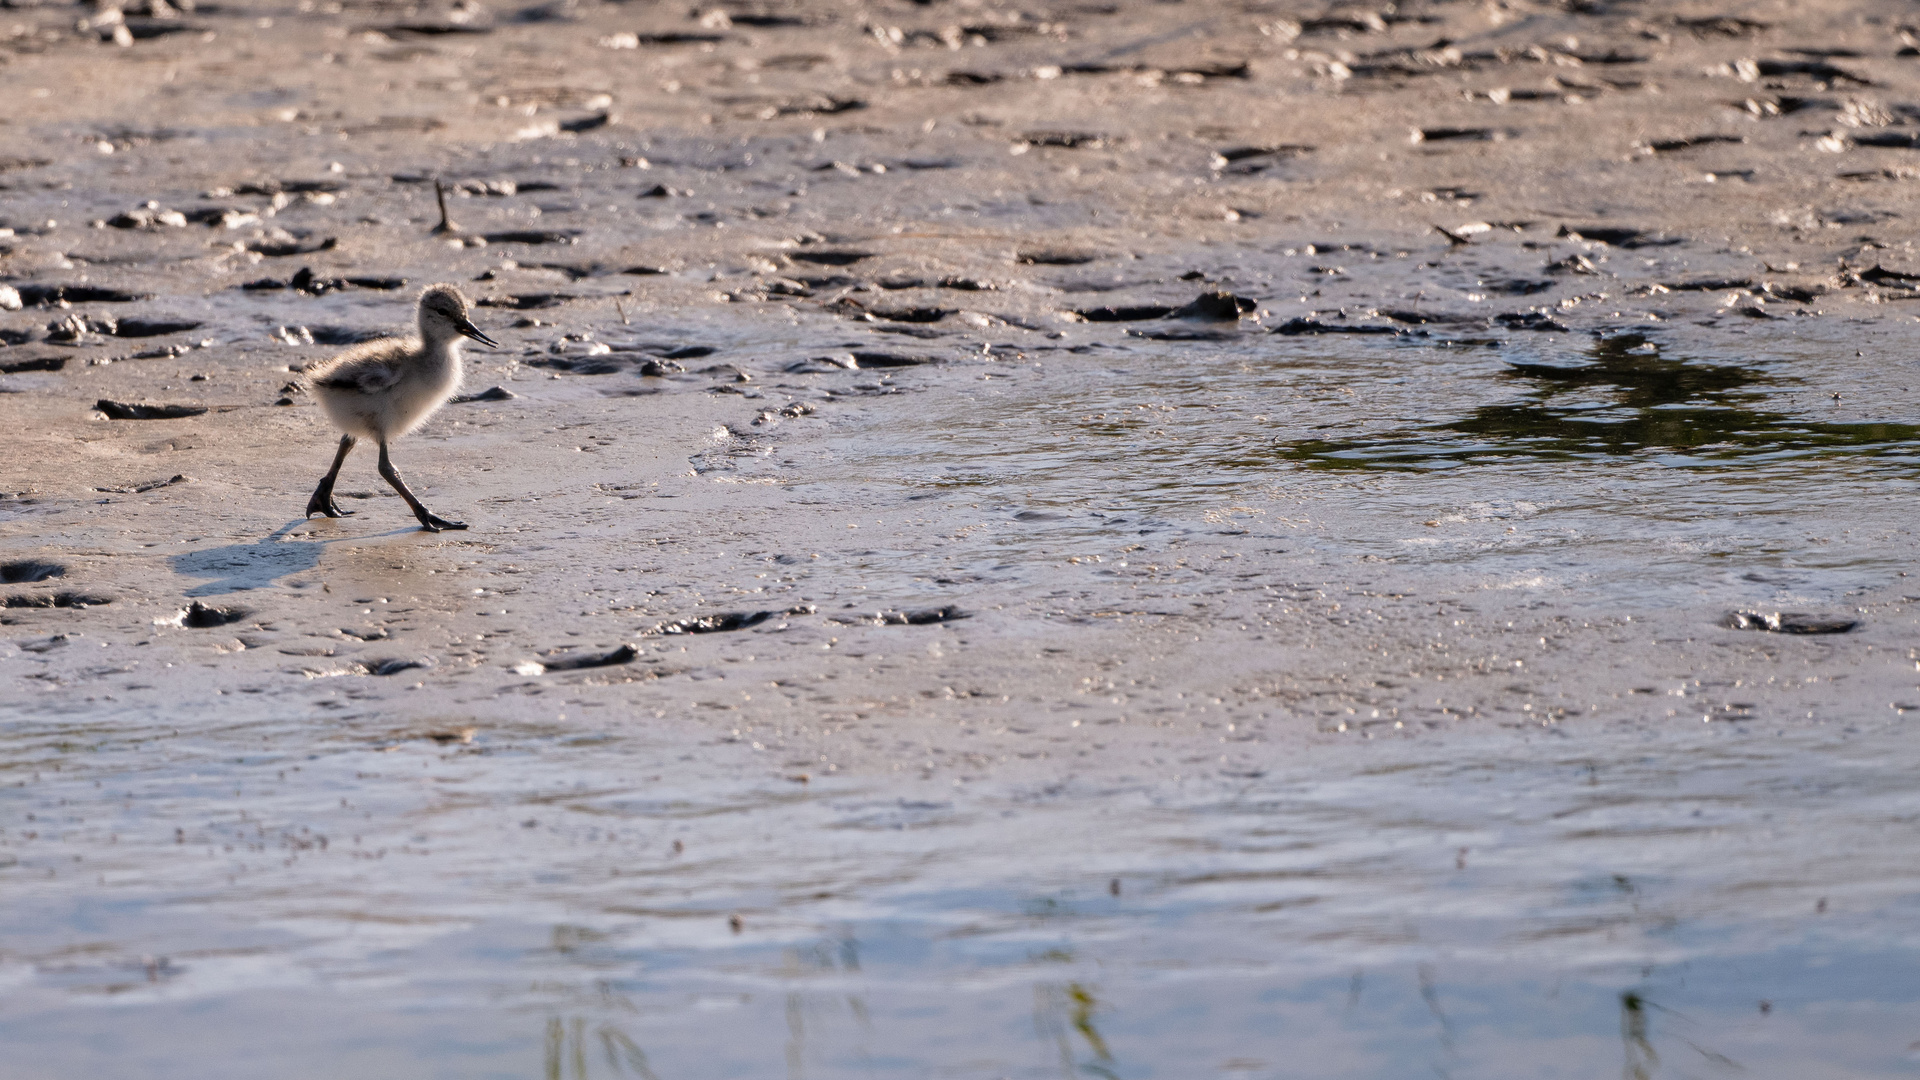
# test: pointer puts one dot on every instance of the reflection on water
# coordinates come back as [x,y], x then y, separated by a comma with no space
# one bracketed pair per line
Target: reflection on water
[1547,469]
[1641,1057]
[577,1047]
[1627,399]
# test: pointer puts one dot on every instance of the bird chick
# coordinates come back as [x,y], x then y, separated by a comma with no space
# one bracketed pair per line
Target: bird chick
[382,389]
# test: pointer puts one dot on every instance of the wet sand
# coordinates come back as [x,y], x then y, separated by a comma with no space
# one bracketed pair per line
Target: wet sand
[952,461]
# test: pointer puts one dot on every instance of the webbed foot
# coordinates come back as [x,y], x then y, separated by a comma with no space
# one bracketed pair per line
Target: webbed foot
[325,505]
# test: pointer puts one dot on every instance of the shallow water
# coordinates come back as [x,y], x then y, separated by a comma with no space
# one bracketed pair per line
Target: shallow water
[1646,465]
[335,896]
[1356,705]
[515,906]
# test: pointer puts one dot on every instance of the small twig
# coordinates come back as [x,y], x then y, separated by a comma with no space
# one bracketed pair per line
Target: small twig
[623,313]
[446,223]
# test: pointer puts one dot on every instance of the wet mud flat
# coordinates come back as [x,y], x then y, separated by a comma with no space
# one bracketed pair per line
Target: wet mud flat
[1005,542]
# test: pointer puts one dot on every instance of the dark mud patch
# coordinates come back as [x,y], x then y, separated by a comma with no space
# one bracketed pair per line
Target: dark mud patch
[287,187]
[1460,134]
[1052,257]
[1519,286]
[28,571]
[716,624]
[527,301]
[1069,140]
[1612,236]
[603,364]
[338,335]
[121,410]
[1247,160]
[1668,146]
[1302,326]
[1432,318]
[275,248]
[1789,622]
[56,600]
[141,328]
[1817,70]
[912,315]
[625,654]
[38,363]
[1629,399]
[395,665]
[77,328]
[55,295]
[1216,306]
[491,393]
[587,123]
[1722,284]
[916,617]
[643,359]
[1531,320]
[201,616]
[151,485]
[1182,334]
[673,38]
[309,283]
[869,359]
[534,236]
[1213,306]
[1136,313]
[829,258]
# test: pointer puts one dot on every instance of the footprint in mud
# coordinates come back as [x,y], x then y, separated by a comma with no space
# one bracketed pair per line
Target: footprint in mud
[55,600]
[28,571]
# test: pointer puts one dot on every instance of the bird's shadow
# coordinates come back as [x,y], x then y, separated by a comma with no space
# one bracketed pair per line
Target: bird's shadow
[239,567]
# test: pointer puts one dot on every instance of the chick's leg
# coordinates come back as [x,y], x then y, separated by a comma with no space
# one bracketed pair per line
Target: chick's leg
[428,520]
[322,501]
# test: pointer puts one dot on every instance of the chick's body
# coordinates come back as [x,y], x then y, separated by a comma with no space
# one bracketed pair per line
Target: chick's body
[383,389]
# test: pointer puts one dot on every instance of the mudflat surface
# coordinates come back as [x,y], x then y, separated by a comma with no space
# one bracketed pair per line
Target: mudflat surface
[1114,539]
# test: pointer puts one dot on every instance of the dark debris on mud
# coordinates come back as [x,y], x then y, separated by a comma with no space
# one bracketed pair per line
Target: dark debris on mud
[202,616]
[1790,622]
[121,410]
[625,654]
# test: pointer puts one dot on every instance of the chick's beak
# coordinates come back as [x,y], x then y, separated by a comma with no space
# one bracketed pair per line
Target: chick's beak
[467,329]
